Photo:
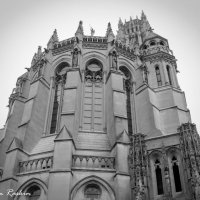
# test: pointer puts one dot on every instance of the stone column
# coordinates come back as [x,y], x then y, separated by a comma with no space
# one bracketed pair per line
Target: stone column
[61,174]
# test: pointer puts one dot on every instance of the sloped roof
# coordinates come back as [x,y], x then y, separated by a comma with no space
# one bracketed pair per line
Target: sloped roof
[2,134]
[44,145]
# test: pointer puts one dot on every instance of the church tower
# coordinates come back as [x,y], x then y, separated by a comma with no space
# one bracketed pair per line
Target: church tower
[98,118]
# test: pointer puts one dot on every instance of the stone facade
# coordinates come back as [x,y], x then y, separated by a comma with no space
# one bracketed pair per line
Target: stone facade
[101,118]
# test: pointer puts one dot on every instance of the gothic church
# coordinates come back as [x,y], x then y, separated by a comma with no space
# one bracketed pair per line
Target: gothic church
[101,118]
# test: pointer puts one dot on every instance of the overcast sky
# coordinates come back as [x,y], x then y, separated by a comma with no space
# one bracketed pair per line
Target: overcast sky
[26,24]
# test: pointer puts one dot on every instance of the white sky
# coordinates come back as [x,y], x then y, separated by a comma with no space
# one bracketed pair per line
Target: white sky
[26,24]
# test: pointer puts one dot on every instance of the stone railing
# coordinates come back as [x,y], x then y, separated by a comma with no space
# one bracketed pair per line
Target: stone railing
[36,164]
[64,43]
[94,39]
[81,161]
[156,49]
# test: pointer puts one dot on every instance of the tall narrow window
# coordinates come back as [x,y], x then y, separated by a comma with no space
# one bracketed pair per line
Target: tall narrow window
[93,97]
[169,75]
[176,173]
[127,89]
[158,76]
[59,84]
[159,177]
[35,192]
[55,108]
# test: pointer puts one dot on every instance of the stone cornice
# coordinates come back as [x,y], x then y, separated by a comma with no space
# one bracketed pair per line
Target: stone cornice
[158,57]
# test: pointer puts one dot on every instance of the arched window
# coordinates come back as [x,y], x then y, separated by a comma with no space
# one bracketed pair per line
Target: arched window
[169,74]
[60,77]
[152,43]
[158,76]
[35,193]
[162,43]
[93,97]
[92,192]
[145,47]
[176,173]
[127,89]
[159,177]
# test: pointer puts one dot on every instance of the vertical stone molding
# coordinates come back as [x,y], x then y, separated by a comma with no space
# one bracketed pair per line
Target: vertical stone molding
[190,147]
[138,166]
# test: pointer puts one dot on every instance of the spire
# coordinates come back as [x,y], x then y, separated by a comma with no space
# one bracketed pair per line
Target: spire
[39,52]
[109,33]
[53,39]
[143,16]
[80,28]
[120,23]
[54,36]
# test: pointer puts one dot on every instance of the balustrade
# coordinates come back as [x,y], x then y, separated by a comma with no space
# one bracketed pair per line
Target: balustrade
[37,164]
[152,50]
[93,162]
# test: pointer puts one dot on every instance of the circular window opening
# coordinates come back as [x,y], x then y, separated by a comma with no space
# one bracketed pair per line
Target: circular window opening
[35,192]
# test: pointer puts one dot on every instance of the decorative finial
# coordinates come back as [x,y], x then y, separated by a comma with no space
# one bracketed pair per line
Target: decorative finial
[120,23]
[55,36]
[53,39]
[80,28]
[109,30]
[143,16]
[109,33]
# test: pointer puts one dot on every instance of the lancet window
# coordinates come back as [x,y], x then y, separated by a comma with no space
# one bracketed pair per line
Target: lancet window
[159,181]
[176,174]
[127,88]
[59,82]
[169,75]
[93,97]
[158,75]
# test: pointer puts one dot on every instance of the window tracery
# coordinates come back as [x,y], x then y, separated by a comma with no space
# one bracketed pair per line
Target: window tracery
[59,82]
[127,86]
[92,192]
[93,97]
[34,191]
[159,181]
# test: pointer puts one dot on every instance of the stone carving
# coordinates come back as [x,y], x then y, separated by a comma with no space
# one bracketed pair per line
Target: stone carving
[92,31]
[138,165]
[114,60]
[189,143]
[93,76]
[140,192]
[125,51]
[75,58]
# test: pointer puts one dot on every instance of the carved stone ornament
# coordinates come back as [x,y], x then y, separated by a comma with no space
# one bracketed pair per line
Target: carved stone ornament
[190,147]
[138,164]
[159,57]
[75,57]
